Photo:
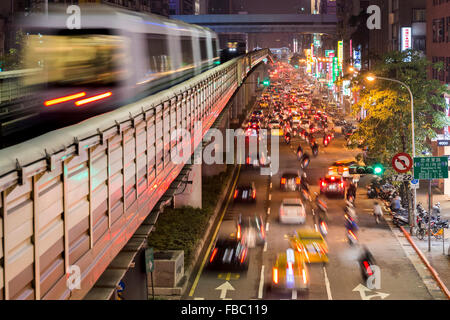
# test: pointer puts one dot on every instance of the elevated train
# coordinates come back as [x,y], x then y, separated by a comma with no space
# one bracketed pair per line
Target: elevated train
[116,57]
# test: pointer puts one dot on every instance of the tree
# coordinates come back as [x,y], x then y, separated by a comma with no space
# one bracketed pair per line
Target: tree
[387,128]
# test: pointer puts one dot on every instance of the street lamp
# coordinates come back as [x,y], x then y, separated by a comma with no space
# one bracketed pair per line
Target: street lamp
[372,78]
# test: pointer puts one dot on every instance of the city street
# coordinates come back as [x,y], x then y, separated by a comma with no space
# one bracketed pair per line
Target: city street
[340,279]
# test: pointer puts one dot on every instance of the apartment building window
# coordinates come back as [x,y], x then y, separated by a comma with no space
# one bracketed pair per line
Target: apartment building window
[419,15]
[447,67]
[442,72]
[434,70]
[438,30]
[419,43]
[448,29]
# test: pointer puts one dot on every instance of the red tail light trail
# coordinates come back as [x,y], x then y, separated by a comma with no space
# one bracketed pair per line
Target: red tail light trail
[213,255]
[94,98]
[52,102]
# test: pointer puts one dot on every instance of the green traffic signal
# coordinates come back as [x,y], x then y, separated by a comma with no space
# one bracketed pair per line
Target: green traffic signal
[378,169]
[296,66]
[266,82]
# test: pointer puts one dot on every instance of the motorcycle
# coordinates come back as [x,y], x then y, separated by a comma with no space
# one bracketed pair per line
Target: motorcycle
[287,139]
[366,263]
[400,218]
[352,228]
[323,227]
[314,148]
[371,192]
[304,162]
[299,153]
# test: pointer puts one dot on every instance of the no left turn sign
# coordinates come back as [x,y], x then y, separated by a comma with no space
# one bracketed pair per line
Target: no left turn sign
[402,162]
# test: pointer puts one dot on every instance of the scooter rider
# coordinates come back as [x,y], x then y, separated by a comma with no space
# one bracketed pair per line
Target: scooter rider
[350,210]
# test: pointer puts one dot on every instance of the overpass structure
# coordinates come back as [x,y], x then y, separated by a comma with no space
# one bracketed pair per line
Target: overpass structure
[73,198]
[264,23]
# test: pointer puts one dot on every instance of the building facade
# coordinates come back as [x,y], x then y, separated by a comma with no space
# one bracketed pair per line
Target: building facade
[438,50]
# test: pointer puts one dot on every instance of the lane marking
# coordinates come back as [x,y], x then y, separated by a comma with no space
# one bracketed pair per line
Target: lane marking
[265,247]
[197,278]
[315,227]
[327,284]
[267,226]
[268,210]
[270,196]
[270,185]
[261,283]
[294,294]
[199,298]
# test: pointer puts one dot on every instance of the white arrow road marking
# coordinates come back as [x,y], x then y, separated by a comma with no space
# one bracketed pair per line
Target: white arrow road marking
[294,294]
[327,284]
[362,291]
[224,287]
[261,283]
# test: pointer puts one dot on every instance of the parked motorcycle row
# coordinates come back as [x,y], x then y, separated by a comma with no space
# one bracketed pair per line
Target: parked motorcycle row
[400,217]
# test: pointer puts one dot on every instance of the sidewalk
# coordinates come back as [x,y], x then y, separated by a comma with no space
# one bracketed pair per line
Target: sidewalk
[438,257]
[437,196]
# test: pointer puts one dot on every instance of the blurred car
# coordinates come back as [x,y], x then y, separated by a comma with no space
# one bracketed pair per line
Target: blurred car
[251,230]
[293,211]
[341,167]
[263,104]
[289,272]
[258,114]
[310,244]
[245,193]
[229,254]
[332,184]
[290,181]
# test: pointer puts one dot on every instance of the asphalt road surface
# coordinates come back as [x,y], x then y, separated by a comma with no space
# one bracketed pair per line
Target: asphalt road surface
[340,278]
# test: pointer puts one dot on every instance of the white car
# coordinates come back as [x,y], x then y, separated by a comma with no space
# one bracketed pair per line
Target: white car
[292,211]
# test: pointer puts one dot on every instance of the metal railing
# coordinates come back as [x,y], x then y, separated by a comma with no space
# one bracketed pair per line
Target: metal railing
[72,198]
[11,87]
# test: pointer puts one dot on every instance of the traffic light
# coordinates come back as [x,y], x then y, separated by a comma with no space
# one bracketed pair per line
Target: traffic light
[266,82]
[378,169]
[296,66]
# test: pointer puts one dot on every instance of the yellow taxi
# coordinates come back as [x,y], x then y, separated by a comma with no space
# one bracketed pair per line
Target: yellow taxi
[341,167]
[289,272]
[276,129]
[263,104]
[310,244]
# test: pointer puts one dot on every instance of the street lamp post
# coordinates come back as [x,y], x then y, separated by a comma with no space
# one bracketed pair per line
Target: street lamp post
[372,78]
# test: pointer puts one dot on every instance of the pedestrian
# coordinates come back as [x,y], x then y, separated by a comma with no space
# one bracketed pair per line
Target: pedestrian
[377,212]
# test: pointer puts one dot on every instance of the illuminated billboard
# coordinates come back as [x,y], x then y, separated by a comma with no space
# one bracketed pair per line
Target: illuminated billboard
[406,38]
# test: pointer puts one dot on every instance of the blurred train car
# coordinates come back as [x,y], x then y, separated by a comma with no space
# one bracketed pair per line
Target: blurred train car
[116,57]
[234,49]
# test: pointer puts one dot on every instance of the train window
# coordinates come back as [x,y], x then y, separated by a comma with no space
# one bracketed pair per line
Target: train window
[214,45]
[186,50]
[158,53]
[203,51]
[76,59]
